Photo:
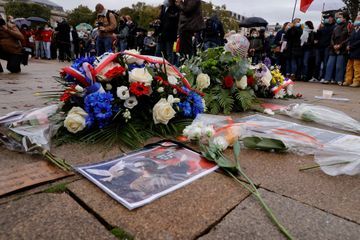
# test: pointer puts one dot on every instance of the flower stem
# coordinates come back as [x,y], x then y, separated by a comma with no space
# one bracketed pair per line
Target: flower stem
[258,196]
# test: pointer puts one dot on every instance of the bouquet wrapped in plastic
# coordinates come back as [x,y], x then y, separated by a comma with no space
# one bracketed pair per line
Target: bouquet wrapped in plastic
[323,115]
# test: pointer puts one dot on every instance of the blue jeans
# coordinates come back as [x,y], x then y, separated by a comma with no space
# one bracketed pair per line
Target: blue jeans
[122,45]
[335,68]
[321,59]
[166,48]
[305,63]
[103,44]
[293,64]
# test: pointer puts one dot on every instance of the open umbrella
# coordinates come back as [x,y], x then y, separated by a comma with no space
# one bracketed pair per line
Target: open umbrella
[22,21]
[253,22]
[37,19]
[84,27]
[322,5]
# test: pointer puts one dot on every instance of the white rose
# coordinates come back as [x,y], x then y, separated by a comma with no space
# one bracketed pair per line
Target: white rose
[242,83]
[172,100]
[202,81]
[131,102]
[131,59]
[123,92]
[160,90]
[163,112]
[140,75]
[208,131]
[195,133]
[75,120]
[221,143]
[172,80]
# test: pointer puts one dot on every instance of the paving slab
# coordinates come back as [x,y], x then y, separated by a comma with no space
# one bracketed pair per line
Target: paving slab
[49,216]
[183,214]
[280,173]
[249,221]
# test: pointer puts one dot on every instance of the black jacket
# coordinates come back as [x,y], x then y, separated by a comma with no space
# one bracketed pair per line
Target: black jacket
[191,19]
[354,44]
[340,37]
[310,43]
[323,36]
[169,21]
[293,46]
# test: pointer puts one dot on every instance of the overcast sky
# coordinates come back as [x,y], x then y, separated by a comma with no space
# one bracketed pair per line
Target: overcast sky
[272,10]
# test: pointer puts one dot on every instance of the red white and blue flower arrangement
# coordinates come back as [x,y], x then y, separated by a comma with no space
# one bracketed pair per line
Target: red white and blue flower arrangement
[125,97]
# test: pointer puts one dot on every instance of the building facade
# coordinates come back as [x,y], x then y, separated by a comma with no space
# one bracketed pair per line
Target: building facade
[57,11]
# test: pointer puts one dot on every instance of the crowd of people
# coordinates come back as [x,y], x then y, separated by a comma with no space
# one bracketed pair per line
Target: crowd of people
[328,54]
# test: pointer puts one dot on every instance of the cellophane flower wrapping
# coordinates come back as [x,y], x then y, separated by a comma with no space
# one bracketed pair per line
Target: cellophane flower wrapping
[323,115]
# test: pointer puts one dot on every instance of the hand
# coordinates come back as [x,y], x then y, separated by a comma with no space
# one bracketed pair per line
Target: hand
[101,28]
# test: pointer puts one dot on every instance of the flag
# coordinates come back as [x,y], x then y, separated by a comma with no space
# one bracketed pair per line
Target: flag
[305,4]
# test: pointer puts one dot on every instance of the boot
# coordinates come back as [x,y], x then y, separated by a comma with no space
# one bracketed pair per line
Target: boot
[346,84]
[355,84]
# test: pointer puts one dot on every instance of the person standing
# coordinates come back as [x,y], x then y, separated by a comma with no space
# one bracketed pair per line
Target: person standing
[167,31]
[122,36]
[307,45]
[39,53]
[256,46]
[106,27]
[63,38]
[10,46]
[213,34]
[278,43]
[352,78]
[322,47]
[293,51]
[190,22]
[335,68]
[46,35]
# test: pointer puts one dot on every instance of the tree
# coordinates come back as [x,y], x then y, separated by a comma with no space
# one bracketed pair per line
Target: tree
[81,14]
[25,10]
[229,22]
[141,13]
[353,7]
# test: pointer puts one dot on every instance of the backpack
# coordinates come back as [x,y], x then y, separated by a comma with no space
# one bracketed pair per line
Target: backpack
[108,18]
[211,27]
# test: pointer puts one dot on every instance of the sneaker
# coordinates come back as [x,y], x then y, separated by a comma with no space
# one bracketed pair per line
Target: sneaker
[313,80]
[357,84]
[325,82]
[340,83]
[332,82]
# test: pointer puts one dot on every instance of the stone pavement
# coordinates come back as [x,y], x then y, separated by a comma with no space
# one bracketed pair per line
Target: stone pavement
[310,204]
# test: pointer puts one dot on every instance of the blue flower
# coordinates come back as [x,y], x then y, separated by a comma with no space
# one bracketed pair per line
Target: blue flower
[100,109]
[193,104]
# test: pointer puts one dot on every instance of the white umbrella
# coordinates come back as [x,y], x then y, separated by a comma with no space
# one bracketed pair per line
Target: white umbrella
[326,5]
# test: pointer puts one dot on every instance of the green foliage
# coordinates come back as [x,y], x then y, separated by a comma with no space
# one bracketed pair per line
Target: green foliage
[25,10]
[244,99]
[121,234]
[81,14]
[265,144]
[353,6]
[141,13]
[59,188]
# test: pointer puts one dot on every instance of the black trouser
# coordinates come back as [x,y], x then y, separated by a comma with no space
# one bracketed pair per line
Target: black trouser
[13,62]
[64,51]
[186,44]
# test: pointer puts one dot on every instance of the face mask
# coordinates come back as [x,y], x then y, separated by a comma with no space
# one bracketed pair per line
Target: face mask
[326,21]
[339,20]
[357,23]
[298,25]
[166,3]
[254,35]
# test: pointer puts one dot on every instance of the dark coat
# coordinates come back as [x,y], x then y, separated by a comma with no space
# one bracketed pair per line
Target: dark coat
[310,43]
[10,40]
[169,22]
[293,46]
[340,37]
[63,35]
[354,44]
[323,36]
[191,19]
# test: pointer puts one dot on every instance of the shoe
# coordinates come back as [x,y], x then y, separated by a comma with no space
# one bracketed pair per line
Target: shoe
[346,84]
[332,82]
[357,84]
[340,83]
[313,80]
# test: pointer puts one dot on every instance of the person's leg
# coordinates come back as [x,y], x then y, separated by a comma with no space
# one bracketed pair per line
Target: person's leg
[108,44]
[349,75]
[99,46]
[325,61]
[330,66]
[340,69]
[305,64]
[288,66]
[13,63]
[318,61]
[186,47]
[48,50]
[357,72]
[169,51]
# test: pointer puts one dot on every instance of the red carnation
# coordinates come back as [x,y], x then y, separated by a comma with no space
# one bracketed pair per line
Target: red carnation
[67,93]
[139,89]
[228,82]
[250,80]
[115,72]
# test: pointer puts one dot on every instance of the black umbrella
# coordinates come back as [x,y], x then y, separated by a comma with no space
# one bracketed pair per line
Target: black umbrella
[253,22]
[36,19]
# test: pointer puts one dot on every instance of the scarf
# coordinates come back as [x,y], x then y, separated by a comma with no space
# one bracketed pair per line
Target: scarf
[305,36]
